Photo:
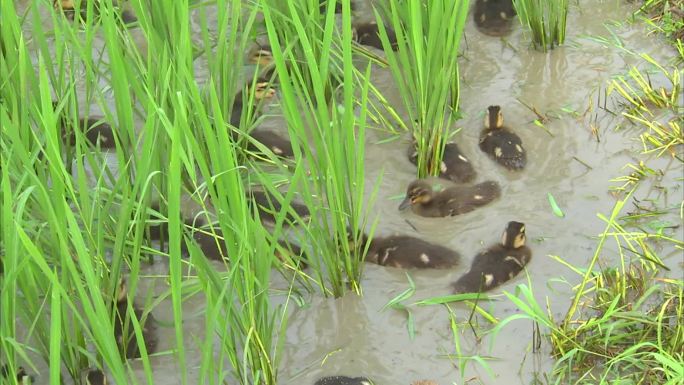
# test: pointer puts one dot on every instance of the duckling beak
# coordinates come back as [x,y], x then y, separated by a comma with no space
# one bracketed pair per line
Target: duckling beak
[405,203]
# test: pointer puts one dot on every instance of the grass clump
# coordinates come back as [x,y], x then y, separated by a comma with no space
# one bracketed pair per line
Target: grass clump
[319,84]
[666,17]
[546,20]
[425,69]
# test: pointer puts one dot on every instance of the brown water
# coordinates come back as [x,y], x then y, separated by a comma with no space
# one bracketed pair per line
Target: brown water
[359,338]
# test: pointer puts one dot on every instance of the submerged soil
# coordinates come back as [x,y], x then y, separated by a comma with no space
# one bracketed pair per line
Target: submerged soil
[353,336]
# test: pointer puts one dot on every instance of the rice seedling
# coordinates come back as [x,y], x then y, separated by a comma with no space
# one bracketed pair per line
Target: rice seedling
[666,17]
[546,21]
[318,80]
[72,225]
[425,69]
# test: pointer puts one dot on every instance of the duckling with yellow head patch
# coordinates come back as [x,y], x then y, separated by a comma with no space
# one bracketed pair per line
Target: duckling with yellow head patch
[499,263]
[438,198]
[502,145]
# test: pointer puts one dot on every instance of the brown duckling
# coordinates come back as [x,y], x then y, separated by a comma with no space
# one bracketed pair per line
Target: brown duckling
[494,17]
[22,378]
[97,132]
[338,6]
[454,166]
[432,198]
[214,248]
[68,7]
[368,34]
[261,90]
[404,251]
[96,377]
[500,143]
[261,55]
[275,143]
[123,328]
[497,264]
[269,207]
[343,380]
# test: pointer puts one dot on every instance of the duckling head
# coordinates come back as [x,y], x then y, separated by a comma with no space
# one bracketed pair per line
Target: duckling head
[260,55]
[96,377]
[514,235]
[263,90]
[121,291]
[418,192]
[494,117]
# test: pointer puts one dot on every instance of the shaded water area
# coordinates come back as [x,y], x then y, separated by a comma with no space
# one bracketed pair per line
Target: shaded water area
[354,336]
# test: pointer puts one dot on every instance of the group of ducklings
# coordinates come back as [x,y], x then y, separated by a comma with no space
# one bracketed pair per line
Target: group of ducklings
[451,195]
[448,195]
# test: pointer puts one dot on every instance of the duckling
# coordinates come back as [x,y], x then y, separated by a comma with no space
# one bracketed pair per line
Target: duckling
[277,144]
[424,382]
[97,132]
[261,55]
[343,380]
[96,377]
[123,329]
[494,17]
[500,143]
[21,377]
[68,7]
[454,166]
[430,198]
[214,248]
[262,91]
[269,207]
[368,34]
[404,251]
[497,264]
[338,6]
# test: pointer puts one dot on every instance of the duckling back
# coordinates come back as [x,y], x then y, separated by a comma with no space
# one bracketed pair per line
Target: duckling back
[124,332]
[464,199]
[493,267]
[505,147]
[455,165]
[409,252]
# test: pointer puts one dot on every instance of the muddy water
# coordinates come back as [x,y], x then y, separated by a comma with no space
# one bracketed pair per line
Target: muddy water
[353,336]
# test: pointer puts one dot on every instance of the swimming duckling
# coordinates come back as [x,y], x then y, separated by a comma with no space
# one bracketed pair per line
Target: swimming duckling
[68,7]
[22,378]
[343,380]
[431,198]
[500,143]
[368,34]
[454,166]
[424,382]
[123,328]
[277,144]
[269,207]
[96,377]
[261,91]
[97,132]
[213,247]
[338,6]
[497,264]
[494,17]
[261,55]
[404,251]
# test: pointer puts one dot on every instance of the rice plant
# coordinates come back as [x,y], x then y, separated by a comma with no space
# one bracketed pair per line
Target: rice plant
[545,19]
[318,81]
[72,225]
[425,69]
